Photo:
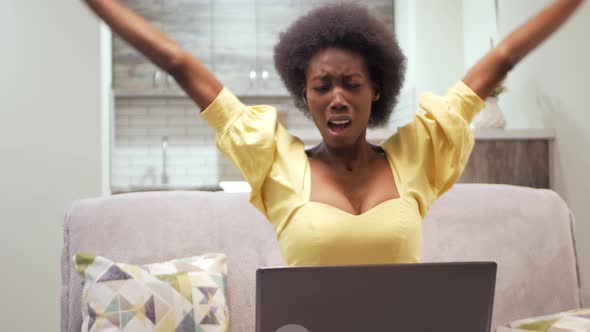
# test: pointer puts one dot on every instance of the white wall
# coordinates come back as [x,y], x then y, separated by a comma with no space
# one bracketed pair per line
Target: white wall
[439,45]
[549,89]
[52,120]
[480,27]
[430,33]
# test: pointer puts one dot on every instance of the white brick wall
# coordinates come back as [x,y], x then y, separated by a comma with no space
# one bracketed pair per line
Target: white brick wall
[141,123]
[192,157]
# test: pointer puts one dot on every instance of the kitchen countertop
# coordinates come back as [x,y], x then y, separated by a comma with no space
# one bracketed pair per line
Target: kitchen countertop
[115,190]
[311,136]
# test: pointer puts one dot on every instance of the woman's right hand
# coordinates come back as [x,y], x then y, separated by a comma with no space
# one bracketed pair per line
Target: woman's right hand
[194,78]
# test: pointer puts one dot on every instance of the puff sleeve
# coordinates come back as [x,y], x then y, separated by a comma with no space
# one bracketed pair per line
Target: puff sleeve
[269,158]
[432,151]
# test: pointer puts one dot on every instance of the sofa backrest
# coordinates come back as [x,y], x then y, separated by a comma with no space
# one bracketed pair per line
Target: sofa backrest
[149,227]
[527,231]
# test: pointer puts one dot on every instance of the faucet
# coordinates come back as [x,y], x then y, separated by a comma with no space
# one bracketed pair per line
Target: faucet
[164,164]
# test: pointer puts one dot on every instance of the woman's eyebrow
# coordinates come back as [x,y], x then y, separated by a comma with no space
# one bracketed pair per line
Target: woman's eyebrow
[321,76]
[354,75]
[324,76]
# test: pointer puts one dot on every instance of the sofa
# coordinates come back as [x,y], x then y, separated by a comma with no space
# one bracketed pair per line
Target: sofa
[528,232]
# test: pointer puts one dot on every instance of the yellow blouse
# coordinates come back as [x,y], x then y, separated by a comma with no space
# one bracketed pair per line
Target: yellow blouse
[427,156]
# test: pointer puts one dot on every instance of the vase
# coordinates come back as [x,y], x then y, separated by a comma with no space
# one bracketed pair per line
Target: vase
[491,117]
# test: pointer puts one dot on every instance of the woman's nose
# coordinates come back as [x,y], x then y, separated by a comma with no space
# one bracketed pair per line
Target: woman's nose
[338,102]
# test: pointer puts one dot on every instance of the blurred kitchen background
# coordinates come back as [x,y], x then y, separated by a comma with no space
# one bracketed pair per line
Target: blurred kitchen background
[160,143]
[159,140]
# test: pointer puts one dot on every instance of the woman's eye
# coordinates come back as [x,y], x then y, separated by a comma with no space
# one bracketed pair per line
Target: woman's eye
[354,85]
[321,88]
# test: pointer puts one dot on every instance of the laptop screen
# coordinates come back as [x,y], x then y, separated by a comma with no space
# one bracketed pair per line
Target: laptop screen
[454,297]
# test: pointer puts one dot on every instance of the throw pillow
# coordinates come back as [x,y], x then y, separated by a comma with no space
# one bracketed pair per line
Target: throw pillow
[186,294]
[570,321]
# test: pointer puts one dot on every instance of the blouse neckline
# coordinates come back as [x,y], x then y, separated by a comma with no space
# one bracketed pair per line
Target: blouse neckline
[396,178]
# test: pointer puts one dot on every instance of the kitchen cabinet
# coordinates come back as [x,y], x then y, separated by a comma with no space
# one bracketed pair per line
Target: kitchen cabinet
[133,72]
[235,39]
[234,44]
[187,22]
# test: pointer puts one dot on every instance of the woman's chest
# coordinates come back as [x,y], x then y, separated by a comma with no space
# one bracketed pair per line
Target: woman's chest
[320,234]
[354,192]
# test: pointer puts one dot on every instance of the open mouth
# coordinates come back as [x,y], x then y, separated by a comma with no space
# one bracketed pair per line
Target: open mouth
[338,126]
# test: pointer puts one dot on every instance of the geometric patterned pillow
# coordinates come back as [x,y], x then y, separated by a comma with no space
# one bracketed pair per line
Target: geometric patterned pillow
[577,320]
[187,294]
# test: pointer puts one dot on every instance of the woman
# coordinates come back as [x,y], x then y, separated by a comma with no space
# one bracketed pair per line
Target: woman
[344,201]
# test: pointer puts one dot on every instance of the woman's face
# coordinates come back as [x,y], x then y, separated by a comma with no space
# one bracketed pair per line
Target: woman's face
[339,94]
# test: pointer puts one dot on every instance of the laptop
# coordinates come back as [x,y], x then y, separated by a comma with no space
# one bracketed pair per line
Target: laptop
[425,297]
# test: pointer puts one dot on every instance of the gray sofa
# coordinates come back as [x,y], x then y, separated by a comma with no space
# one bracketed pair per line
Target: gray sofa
[528,232]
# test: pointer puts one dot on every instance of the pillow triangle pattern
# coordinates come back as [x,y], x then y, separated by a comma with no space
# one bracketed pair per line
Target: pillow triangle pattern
[186,294]
[114,273]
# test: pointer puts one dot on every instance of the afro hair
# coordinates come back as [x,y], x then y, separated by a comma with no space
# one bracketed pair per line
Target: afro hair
[347,26]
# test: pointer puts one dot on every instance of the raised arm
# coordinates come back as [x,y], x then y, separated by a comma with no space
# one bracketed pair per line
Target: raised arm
[493,67]
[195,79]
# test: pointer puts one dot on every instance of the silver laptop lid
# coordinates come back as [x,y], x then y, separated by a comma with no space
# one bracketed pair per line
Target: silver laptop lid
[425,297]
